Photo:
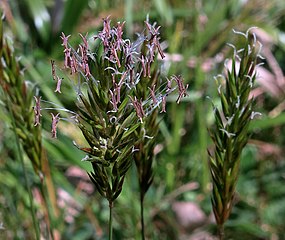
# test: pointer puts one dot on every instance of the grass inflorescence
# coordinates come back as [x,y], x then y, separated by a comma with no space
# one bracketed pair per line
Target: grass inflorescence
[230,133]
[120,92]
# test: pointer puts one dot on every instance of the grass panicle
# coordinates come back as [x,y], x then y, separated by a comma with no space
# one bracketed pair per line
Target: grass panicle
[230,133]
[19,94]
[17,98]
[119,94]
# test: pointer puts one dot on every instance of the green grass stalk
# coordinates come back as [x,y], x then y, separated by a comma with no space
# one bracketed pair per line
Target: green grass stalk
[142,216]
[221,232]
[111,205]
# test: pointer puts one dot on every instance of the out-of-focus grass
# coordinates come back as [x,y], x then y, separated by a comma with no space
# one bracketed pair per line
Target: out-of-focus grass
[195,34]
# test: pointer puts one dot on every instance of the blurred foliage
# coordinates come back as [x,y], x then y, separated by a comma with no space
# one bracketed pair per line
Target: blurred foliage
[194,36]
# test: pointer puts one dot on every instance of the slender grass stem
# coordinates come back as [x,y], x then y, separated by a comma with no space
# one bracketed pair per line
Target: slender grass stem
[110,220]
[36,227]
[221,232]
[142,216]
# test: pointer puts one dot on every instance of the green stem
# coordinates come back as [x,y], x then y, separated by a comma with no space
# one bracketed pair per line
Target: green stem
[221,232]
[142,216]
[25,174]
[110,220]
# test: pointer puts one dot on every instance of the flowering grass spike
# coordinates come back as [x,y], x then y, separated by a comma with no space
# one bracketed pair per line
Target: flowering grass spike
[119,91]
[230,134]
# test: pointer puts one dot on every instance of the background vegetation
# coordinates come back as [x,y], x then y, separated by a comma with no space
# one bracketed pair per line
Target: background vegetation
[194,34]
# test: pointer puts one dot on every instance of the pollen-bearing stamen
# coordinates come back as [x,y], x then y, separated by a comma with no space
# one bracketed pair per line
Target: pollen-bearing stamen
[55,120]
[53,72]
[37,110]
[138,107]
[58,84]
[181,88]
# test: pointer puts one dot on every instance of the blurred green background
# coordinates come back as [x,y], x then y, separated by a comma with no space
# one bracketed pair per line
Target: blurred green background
[194,35]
